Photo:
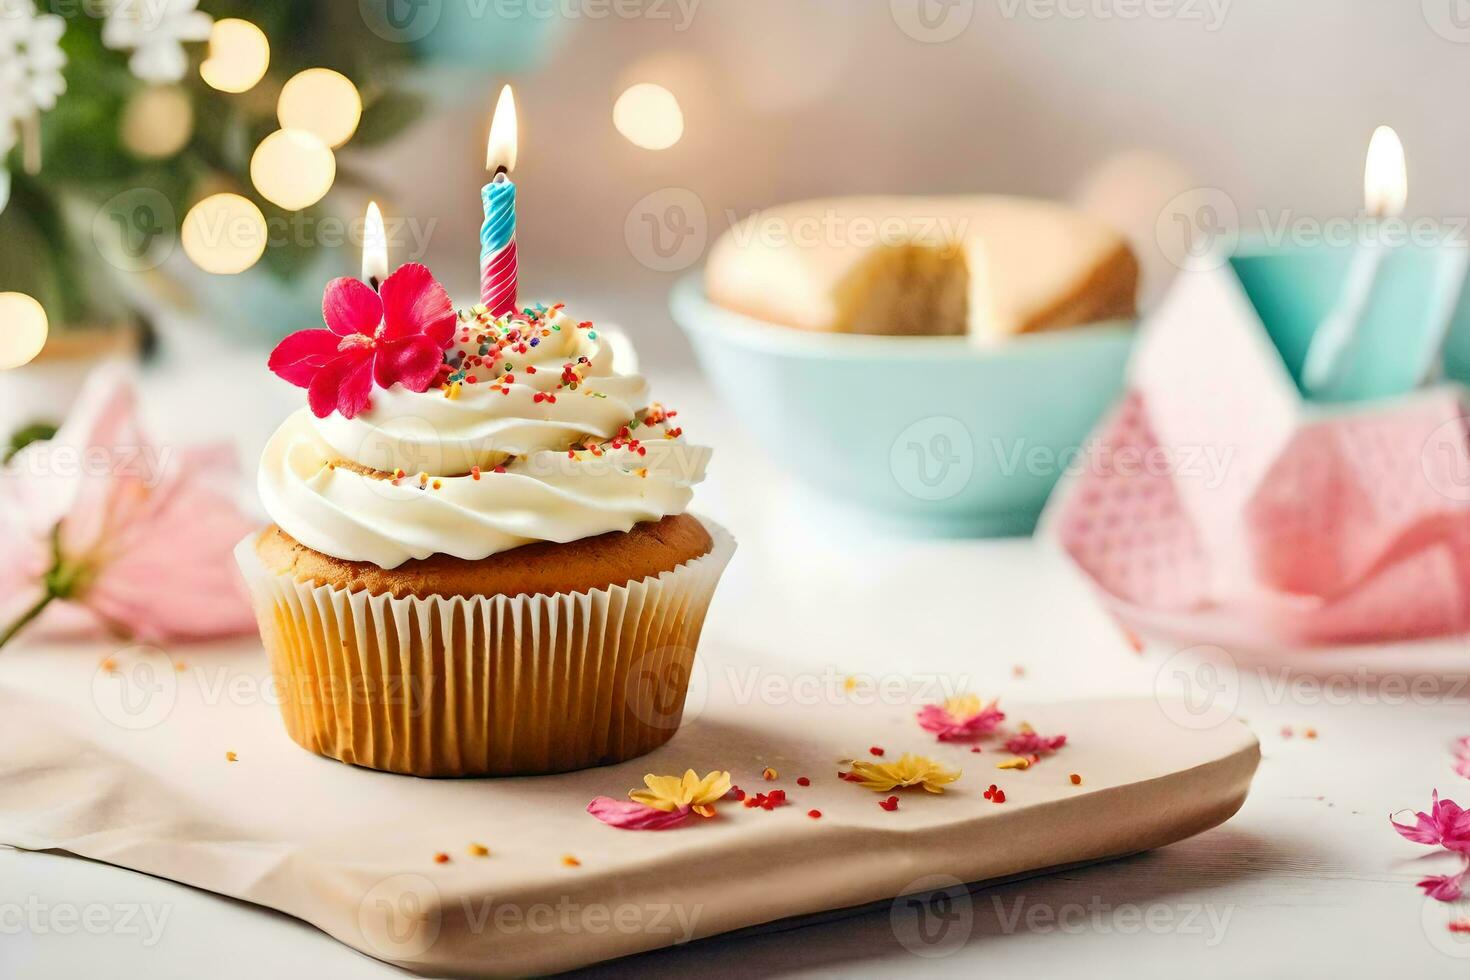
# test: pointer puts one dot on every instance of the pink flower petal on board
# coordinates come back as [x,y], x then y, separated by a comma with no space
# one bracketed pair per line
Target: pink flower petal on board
[300,356]
[938,719]
[415,304]
[351,307]
[1030,743]
[627,815]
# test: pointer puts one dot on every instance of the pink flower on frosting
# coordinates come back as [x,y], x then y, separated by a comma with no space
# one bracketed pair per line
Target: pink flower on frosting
[396,336]
[1027,742]
[120,533]
[1445,825]
[960,719]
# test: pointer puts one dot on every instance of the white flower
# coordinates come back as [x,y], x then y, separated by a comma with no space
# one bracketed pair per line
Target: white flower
[155,31]
[31,61]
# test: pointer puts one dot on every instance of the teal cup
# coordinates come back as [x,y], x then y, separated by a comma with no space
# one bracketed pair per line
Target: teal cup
[1418,319]
[934,435]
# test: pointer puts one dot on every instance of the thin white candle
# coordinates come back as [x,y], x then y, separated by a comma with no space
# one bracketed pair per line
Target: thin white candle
[1385,192]
[374,247]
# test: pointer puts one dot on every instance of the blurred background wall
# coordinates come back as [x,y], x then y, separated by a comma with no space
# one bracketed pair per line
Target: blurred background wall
[1124,102]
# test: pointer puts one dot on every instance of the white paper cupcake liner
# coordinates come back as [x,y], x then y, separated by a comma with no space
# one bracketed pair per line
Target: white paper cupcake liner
[494,685]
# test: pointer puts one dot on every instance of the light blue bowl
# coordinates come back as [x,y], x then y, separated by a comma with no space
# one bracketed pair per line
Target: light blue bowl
[930,433]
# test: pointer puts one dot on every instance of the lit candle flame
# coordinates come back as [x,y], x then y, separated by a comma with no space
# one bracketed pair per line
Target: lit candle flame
[374,247]
[500,154]
[1386,177]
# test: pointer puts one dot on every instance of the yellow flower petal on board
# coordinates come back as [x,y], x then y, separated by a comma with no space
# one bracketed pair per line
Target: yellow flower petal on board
[910,770]
[663,792]
[668,793]
[711,788]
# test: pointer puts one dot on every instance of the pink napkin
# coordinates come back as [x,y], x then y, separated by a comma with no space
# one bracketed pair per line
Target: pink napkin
[1217,504]
[1358,531]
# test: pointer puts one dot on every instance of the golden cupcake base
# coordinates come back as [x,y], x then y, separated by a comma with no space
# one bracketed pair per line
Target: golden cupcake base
[487,685]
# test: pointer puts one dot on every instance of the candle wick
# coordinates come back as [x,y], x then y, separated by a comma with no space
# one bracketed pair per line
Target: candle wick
[502,174]
[373,282]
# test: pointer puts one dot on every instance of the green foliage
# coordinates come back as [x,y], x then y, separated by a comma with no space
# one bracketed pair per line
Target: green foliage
[35,432]
[86,165]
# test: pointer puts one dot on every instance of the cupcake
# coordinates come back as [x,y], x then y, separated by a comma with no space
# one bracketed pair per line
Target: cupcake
[481,561]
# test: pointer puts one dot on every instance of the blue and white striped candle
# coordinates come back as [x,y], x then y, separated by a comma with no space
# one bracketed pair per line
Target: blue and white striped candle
[499,268]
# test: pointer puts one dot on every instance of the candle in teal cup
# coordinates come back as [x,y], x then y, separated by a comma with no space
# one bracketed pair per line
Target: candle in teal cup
[1333,370]
[1419,294]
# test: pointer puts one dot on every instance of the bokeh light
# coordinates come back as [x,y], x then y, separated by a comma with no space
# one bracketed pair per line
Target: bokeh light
[157,122]
[23,329]
[322,102]
[239,54]
[224,234]
[649,116]
[293,169]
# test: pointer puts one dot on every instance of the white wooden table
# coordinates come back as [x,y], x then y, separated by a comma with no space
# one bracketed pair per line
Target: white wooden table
[1307,881]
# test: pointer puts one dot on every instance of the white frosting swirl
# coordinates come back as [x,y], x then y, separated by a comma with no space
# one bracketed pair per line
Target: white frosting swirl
[485,467]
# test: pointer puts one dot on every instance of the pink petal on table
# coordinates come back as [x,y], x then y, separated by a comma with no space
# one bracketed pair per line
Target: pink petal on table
[1446,825]
[300,356]
[1444,888]
[1462,766]
[351,307]
[1422,831]
[627,815]
[414,303]
[413,362]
